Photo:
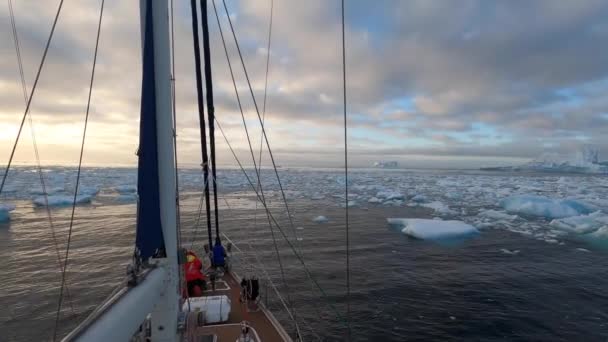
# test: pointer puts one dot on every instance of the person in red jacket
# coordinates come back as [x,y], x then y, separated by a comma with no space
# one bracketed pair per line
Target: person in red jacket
[195,278]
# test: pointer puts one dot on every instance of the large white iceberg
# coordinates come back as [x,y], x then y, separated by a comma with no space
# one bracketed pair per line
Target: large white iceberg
[61,200]
[544,206]
[433,229]
[4,211]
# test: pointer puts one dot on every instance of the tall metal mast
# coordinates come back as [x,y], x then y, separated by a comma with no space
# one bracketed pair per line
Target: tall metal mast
[165,315]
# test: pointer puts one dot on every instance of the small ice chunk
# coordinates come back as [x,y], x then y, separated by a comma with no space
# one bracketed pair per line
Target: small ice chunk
[62,200]
[506,251]
[374,200]
[435,229]
[88,190]
[394,203]
[419,199]
[544,206]
[317,197]
[320,219]
[4,212]
[497,215]
[390,195]
[125,189]
[439,207]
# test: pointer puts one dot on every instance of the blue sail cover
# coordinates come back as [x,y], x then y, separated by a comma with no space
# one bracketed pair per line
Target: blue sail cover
[149,239]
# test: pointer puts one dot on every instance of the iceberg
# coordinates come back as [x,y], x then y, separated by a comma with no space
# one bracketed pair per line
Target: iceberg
[544,207]
[320,219]
[61,200]
[584,161]
[427,229]
[4,212]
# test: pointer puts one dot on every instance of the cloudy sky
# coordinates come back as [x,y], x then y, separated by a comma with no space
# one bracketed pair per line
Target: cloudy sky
[430,83]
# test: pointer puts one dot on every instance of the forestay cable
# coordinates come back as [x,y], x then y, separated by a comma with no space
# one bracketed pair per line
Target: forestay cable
[84,134]
[35,145]
[29,101]
[346,177]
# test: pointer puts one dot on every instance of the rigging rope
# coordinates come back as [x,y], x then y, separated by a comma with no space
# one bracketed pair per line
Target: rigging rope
[29,100]
[210,108]
[201,116]
[255,166]
[84,134]
[346,178]
[272,284]
[300,259]
[260,119]
[255,212]
[35,145]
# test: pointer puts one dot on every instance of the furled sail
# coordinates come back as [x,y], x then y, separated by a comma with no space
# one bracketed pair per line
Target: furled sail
[149,237]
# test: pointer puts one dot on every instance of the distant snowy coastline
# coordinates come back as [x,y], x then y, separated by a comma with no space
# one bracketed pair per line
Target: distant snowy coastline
[585,161]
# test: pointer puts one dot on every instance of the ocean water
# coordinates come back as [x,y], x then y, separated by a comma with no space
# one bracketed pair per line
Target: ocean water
[522,278]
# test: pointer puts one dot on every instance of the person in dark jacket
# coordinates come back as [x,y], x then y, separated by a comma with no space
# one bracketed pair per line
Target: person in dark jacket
[219,254]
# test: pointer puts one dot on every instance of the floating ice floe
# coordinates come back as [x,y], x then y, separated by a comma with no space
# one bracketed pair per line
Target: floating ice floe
[88,190]
[434,229]
[49,190]
[394,203]
[419,199]
[390,195]
[582,224]
[125,189]
[439,207]
[374,200]
[497,215]
[350,204]
[317,197]
[62,200]
[4,212]
[544,206]
[320,219]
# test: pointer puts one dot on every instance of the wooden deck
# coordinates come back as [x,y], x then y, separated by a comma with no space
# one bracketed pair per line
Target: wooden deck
[264,326]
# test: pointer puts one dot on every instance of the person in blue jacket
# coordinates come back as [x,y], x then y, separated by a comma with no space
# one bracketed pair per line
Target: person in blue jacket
[219,254]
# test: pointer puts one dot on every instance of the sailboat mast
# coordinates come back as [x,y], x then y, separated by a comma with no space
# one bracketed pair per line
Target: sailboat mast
[165,315]
[210,108]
